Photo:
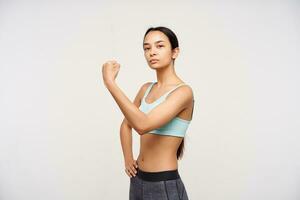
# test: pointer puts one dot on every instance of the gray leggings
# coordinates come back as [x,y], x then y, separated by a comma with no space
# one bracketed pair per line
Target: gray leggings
[165,185]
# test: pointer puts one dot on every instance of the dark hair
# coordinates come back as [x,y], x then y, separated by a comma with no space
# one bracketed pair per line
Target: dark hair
[168,32]
[174,43]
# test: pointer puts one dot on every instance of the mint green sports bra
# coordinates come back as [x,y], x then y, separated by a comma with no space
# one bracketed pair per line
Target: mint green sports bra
[176,126]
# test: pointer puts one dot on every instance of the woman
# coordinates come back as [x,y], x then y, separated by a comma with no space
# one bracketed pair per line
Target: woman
[160,114]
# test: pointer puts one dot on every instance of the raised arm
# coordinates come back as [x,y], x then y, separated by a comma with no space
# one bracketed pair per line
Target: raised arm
[160,115]
[178,100]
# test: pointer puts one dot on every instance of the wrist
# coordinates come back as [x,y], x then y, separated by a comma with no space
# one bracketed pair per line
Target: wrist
[109,83]
[128,158]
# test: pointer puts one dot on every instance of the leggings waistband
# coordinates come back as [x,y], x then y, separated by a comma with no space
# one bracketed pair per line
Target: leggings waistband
[158,176]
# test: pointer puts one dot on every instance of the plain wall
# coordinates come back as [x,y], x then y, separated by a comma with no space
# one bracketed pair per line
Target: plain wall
[59,133]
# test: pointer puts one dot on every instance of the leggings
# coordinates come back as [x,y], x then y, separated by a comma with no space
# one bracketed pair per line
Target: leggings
[163,185]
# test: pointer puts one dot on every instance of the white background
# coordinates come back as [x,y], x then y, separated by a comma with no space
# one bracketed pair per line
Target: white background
[59,133]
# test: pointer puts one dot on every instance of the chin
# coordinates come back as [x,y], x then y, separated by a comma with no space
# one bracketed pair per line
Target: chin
[156,66]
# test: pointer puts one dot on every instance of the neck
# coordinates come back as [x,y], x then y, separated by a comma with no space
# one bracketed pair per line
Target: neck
[167,76]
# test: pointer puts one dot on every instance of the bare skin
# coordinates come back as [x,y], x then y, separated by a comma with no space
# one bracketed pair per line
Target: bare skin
[157,152]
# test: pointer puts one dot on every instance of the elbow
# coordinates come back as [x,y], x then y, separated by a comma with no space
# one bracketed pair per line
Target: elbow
[141,130]
[142,126]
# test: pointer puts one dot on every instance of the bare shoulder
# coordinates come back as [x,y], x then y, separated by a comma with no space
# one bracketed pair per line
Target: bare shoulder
[187,89]
[144,86]
[138,98]
[141,92]
[184,91]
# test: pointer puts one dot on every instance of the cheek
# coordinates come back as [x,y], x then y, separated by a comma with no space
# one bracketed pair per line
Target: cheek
[146,55]
[167,55]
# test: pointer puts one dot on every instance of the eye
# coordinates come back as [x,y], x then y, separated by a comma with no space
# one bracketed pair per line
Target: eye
[146,49]
[160,46]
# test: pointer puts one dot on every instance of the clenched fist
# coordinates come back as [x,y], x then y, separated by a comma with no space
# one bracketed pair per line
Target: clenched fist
[110,70]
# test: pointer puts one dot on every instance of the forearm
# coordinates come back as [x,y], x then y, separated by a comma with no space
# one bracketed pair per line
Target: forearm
[126,141]
[134,116]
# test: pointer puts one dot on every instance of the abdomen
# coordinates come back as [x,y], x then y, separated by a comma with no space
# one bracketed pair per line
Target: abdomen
[158,153]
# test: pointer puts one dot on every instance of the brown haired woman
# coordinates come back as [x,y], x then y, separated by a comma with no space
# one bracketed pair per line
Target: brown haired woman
[160,114]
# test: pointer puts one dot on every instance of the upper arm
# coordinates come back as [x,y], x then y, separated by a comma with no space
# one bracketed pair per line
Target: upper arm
[137,99]
[177,100]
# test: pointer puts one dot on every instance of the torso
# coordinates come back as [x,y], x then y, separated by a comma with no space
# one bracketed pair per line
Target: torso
[159,152]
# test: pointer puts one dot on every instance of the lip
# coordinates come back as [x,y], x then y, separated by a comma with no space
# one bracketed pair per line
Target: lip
[154,60]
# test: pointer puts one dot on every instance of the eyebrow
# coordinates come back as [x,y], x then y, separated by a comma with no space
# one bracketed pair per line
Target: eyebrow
[155,42]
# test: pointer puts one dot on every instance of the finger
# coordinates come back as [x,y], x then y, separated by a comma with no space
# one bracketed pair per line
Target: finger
[133,169]
[135,164]
[127,172]
[131,172]
[110,62]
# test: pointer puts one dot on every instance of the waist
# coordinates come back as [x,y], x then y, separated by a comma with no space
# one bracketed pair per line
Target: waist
[160,163]
[158,176]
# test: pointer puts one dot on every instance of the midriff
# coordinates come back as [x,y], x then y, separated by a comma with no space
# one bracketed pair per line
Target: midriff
[158,152]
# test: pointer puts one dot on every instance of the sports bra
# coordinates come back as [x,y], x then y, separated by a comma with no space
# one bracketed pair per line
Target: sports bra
[176,126]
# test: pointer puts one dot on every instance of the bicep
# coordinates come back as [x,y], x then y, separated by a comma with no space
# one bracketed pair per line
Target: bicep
[168,109]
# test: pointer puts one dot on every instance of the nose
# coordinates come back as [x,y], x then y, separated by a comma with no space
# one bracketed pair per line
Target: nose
[152,52]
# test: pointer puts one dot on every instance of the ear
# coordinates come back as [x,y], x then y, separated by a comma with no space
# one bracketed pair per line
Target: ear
[175,52]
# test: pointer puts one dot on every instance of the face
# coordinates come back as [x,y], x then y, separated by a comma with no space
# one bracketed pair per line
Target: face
[158,51]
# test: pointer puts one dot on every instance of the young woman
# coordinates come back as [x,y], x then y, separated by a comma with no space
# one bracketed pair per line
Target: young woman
[160,114]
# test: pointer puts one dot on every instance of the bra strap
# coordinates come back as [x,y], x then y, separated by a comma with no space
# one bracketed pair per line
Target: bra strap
[148,90]
[174,89]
